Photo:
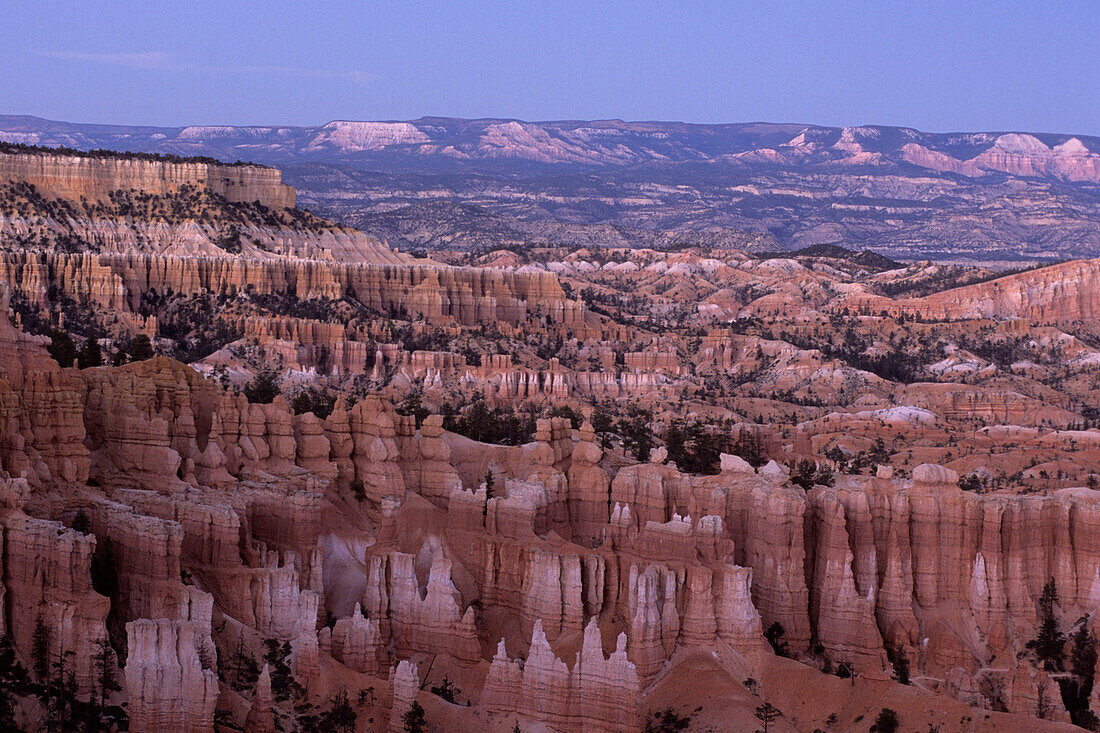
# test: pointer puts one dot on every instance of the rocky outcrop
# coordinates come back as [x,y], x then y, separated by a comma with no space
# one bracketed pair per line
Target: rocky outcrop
[246,524]
[41,414]
[428,464]
[404,684]
[375,452]
[439,294]
[654,492]
[764,516]
[170,678]
[597,694]
[654,617]
[75,177]
[842,613]
[260,718]
[433,621]
[306,645]
[1058,294]
[47,582]
[1017,154]
[356,641]
[589,488]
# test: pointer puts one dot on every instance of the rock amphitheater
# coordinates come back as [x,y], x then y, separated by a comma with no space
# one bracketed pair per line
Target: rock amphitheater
[180,557]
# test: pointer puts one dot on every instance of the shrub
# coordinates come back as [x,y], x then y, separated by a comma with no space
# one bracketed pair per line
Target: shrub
[141,348]
[317,401]
[886,722]
[667,720]
[62,348]
[264,387]
[774,635]
[446,690]
[90,355]
[415,720]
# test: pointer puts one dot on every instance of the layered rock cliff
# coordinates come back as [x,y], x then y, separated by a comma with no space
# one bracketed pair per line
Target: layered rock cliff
[1058,294]
[93,178]
[438,294]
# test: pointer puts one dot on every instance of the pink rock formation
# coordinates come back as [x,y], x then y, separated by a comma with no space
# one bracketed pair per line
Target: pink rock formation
[356,641]
[404,684]
[75,177]
[375,454]
[440,294]
[428,466]
[589,488]
[46,576]
[654,492]
[306,646]
[598,694]
[170,678]
[842,613]
[1057,294]
[550,595]
[434,621]
[260,718]
[654,618]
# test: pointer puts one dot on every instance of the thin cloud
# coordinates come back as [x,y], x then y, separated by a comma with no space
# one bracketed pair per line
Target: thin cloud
[160,61]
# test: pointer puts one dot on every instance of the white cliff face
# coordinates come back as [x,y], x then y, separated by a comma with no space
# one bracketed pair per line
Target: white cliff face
[359,136]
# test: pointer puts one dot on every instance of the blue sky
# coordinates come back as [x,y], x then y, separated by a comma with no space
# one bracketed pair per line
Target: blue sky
[936,66]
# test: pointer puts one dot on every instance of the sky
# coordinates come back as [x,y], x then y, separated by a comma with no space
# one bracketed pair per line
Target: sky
[935,66]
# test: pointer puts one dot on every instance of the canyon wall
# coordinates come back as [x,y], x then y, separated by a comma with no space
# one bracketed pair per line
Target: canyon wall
[74,177]
[438,293]
[1061,293]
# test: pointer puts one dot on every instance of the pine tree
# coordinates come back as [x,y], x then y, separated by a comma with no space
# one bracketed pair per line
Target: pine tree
[40,650]
[90,355]
[415,720]
[245,669]
[887,721]
[104,570]
[676,445]
[446,690]
[1050,642]
[61,694]
[767,714]
[637,436]
[81,523]
[264,387]
[340,715]
[62,348]
[489,493]
[104,660]
[1083,665]
[900,661]
[667,721]
[277,656]
[141,348]
[774,635]
[7,710]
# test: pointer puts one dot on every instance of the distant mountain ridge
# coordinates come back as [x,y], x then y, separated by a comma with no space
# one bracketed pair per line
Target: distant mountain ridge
[438,142]
[1002,198]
